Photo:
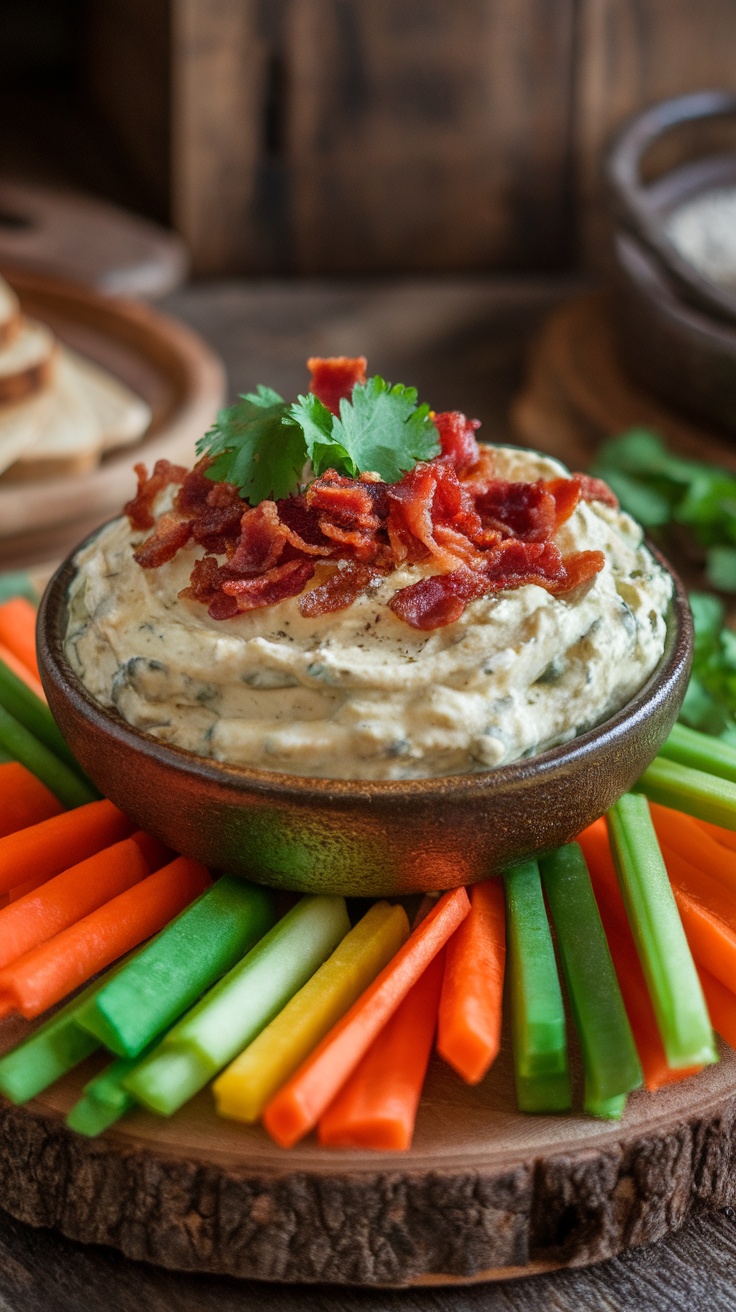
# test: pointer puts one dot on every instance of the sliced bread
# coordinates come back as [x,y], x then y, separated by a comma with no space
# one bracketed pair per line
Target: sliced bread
[27,361]
[67,438]
[123,416]
[10,315]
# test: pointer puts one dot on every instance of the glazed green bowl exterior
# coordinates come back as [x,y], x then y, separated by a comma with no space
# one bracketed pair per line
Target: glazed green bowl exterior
[361,838]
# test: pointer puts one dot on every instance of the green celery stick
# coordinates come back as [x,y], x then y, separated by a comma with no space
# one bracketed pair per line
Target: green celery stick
[187,957]
[538,1017]
[21,702]
[53,1049]
[695,792]
[240,1005]
[610,1059]
[672,979]
[103,1101]
[17,583]
[63,782]
[700,751]
[609,1109]
[5,756]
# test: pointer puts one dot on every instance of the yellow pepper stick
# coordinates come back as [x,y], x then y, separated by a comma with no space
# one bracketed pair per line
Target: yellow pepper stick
[247,1084]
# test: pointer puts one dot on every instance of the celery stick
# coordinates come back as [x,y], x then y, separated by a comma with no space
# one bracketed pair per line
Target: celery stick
[21,702]
[103,1101]
[538,1017]
[187,957]
[672,979]
[240,1005]
[693,791]
[610,1058]
[245,1087]
[609,1109]
[700,751]
[63,782]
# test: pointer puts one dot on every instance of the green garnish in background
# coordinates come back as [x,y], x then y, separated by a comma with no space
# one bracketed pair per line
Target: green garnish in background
[262,443]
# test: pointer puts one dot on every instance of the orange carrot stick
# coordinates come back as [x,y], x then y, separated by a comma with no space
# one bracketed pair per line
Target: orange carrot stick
[62,841]
[688,840]
[726,837]
[712,941]
[24,800]
[18,631]
[377,1107]
[638,1003]
[30,886]
[469,1027]
[49,972]
[76,892]
[22,671]
[721,1005]
[299,1104]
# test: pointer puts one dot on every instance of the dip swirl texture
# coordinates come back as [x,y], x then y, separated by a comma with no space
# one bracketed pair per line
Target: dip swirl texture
[359,694]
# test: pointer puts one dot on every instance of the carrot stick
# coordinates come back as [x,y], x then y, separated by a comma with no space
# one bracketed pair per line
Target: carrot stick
[76,892]
[60,842]
[712,942]
[49,972]
[18,631]
[687,839]
[726,837]
[638,1003]
[469,1027]
[377,1107]
[721,1005]
[24,800]
[702,887]
[22,671]
[299,1104]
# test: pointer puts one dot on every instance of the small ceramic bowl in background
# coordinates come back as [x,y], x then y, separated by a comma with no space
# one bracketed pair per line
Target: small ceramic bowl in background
[361,838]
[676,326]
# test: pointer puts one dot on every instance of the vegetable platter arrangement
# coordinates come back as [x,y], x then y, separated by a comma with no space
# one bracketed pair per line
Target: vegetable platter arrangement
[313,1016]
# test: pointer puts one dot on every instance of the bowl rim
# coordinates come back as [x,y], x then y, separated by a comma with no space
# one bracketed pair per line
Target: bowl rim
[55,669]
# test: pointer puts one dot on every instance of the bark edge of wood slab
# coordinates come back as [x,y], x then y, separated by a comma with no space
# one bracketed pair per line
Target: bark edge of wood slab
[485,1193]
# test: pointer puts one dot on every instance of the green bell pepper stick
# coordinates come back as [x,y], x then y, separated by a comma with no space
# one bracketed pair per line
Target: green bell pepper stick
[22,703]
[63,782]
[610,1059]
[610,1109]
[240,1005]
[695,792]
[537,1013]
[187,957]
[672,979]
[700,751]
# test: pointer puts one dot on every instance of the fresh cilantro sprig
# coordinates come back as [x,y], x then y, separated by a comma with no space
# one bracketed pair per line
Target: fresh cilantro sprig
[262,443]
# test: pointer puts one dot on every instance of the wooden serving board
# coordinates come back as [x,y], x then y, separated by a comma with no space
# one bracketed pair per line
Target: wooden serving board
[485,1193]
[162,360]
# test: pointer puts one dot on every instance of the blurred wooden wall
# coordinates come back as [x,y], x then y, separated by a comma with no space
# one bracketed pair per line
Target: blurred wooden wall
[331,136]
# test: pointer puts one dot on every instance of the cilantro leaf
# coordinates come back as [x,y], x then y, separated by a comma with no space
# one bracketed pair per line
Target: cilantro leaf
[257,446]
[381,429]
[316,422]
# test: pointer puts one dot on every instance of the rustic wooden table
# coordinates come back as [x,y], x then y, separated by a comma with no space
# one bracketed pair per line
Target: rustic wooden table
[463,343]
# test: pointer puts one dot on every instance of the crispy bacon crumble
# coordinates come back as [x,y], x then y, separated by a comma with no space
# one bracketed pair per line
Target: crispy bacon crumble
[482,534]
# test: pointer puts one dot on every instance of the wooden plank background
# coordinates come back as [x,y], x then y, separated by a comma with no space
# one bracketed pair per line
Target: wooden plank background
[351,136]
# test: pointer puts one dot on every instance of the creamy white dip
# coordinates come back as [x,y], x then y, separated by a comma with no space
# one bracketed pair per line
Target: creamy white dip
[359,694]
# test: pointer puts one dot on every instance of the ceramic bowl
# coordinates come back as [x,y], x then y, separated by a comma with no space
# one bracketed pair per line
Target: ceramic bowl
[361,838]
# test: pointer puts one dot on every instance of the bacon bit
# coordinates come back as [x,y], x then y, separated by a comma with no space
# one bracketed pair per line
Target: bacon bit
[457,438]
[302,527]
[345,501]
[334,378]
[140,509]
[566,493]
[261,541]
[338,591]
[438,600]
[520,510]
[267,589]
[594,489]
[168,537]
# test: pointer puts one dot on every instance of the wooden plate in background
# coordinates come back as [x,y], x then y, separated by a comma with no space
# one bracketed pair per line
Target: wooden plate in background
[162,360]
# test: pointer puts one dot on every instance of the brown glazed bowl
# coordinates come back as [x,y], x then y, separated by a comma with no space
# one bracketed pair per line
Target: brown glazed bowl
[361,838]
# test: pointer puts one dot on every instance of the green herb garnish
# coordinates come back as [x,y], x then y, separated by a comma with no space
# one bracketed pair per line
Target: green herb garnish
[262,443]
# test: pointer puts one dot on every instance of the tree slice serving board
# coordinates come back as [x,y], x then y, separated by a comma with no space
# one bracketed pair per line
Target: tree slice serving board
[166,363]
[485,1192]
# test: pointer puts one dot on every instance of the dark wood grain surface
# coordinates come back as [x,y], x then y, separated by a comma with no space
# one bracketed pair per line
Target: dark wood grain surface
[463,342]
